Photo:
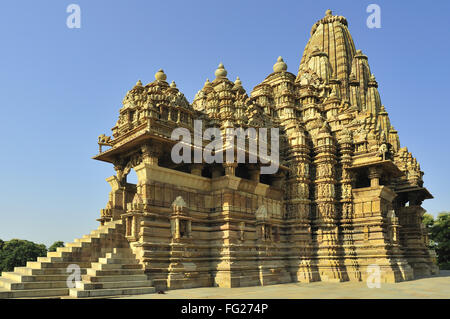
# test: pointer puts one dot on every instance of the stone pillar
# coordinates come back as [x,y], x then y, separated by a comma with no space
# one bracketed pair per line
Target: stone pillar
[254,172]
[230,169]
[216,171]
[331,268]
[278,179]
[196,169]
[121,174]
[374,176]
[150,154]
[116,205]
[413,237]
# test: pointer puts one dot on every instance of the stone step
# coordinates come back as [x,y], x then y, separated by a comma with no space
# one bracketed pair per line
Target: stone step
[12,276]
[64,251]
[100,266]
[68,258]
[50,259]
[122,251]
[102,231]
[113,284]
[124,254]
[68,249]
[114,272]
[41,265]
[59,254]
[76,245]
[44,271]
[13,285]
[47,277]
[111,292]
[33,293]
[88,240]
[112,278]
[19,278]
[117,260]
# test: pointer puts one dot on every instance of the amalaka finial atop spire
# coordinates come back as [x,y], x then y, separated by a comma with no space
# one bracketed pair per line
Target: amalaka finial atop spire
[221,72]
[160,75]
[139,83]
[280,65]
[328,13]
[238,82]
[173,85]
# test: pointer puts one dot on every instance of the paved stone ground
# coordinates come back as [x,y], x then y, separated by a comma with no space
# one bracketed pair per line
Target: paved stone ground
[432,287]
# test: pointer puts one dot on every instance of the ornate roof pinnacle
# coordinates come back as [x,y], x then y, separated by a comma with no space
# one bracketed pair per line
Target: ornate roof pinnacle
[160,75]
[328,13]
[173,85]
[280,65]
[221,72]
[207,83]
[238,81]
[325,128]
[139,83]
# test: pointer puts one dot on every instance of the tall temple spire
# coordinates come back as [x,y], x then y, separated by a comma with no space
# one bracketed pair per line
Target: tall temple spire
[331,36]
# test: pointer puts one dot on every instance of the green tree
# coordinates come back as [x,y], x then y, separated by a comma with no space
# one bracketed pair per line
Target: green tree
[428,220]
[440,234]
[17,252]
[55,245]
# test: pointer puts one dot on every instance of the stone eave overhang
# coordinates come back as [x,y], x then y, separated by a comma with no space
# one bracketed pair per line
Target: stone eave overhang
[387,165]
[129,144]
[425,194]
[134,138]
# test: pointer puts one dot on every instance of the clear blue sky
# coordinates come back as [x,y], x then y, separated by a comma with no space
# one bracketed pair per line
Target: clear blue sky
[61,88]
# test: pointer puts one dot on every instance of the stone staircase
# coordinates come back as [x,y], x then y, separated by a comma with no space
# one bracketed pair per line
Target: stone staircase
[101,250]
[118,273]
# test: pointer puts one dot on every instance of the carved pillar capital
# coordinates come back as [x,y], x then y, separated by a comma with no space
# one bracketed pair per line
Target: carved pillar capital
[414,199]
[119,168]
[216,171]
[254,172]
[196,169]
[277,179]
[151,152]
[230,168]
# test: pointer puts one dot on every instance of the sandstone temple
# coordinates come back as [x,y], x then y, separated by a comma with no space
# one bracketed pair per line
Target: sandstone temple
[346,198]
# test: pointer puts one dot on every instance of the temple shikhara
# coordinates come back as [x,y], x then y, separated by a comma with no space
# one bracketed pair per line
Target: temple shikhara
[345,202]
